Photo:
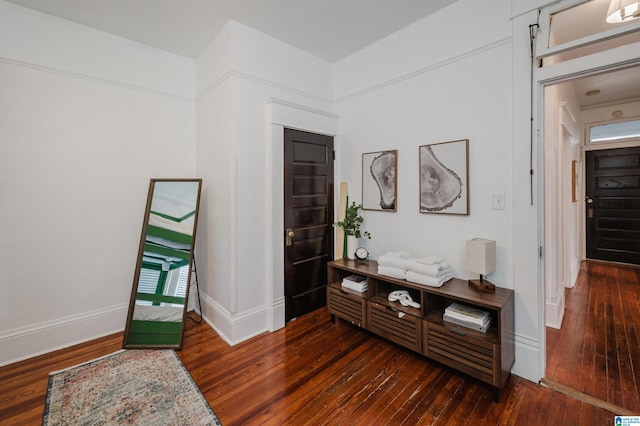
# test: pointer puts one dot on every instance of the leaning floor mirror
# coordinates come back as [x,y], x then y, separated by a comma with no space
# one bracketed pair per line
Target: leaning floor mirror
[158,305]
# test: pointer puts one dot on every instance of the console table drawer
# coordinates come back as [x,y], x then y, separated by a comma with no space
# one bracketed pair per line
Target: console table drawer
[462,351]
[347,306]
[399,327]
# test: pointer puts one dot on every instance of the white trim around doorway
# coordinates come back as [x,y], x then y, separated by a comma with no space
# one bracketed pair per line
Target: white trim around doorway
[281,114]
[611,60]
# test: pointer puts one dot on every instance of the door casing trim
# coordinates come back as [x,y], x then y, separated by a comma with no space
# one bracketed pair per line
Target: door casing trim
[609,60]
[281,114]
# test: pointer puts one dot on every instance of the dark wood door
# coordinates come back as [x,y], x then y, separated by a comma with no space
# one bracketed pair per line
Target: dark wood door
[308,219]
[613,205]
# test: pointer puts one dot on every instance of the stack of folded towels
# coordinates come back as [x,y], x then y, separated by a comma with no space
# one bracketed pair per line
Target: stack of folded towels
[430,270]
[394,264]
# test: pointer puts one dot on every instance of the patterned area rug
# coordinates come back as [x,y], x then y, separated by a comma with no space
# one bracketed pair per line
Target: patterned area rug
[144,387]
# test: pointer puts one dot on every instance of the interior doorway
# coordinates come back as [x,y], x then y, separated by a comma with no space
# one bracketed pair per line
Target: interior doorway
[308,219]
[617,100]
[281,115]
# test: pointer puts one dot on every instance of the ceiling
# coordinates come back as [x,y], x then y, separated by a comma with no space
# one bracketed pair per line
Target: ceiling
[611,87]
[328,29]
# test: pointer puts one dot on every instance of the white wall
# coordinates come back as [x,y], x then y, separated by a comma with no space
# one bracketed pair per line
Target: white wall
[526,201]
[214,133]
[432,83]
[415,87]
[604,114]
[561,140]
[463,96]
[86,114]
[236,157]
[86,119]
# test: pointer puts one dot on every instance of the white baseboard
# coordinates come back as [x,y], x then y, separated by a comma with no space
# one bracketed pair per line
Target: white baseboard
[554,312]
[527,362]
[236,328]
[38,339]
[278,315]
[575,270]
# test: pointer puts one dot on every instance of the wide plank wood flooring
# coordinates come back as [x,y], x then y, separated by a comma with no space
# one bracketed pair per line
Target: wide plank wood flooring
[597,350]
[314,372]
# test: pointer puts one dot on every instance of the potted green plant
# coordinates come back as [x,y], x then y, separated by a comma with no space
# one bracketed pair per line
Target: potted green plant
[351,226]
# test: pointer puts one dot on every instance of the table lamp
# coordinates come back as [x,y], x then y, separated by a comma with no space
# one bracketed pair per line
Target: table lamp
[481,259]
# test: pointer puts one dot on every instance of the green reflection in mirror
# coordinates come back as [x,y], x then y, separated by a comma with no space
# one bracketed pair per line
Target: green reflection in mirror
[163,271]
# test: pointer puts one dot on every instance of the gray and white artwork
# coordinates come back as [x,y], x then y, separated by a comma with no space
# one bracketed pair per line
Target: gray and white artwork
[379,183]
[444,184]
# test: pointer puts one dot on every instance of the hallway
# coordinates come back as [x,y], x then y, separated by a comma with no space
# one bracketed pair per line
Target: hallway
[597,351]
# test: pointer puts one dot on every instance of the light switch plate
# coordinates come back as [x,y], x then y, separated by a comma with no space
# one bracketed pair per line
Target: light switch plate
[498,201]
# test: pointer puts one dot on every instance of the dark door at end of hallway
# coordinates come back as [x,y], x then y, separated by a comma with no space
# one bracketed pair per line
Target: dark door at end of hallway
[613,205]
[308,219]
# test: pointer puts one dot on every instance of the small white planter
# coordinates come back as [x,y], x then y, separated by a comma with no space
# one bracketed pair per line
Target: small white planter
[352,245]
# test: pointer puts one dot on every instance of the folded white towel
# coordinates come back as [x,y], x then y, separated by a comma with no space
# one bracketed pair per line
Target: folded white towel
[393,261]
[435,270]
[429,260]
[425,280]
[401,253]
[390,271]
[438,274]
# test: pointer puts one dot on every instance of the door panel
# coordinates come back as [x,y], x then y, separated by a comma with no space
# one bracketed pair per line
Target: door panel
[309,185]
[308,193]
[613,204]
[311,216]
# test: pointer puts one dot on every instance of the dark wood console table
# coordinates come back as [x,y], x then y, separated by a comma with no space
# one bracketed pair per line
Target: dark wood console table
[488,356]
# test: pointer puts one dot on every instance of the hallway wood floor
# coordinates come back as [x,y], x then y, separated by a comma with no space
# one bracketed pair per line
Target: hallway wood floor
[314,372]
[597,351]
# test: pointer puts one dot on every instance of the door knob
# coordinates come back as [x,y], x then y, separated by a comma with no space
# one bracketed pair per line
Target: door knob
[290,235]
[589,201]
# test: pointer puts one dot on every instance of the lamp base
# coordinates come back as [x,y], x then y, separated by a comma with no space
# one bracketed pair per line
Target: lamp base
[483,285]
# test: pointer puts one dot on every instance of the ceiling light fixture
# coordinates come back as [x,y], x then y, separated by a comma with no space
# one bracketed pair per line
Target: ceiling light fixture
[623,11]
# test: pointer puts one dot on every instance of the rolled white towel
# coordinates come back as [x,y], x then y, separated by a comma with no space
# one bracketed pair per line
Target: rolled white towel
[401,253]
[435,270]
[428,281]
[429,260]
[393,261]
[390,271]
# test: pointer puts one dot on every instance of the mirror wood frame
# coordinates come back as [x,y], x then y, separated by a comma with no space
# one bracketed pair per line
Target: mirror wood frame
[160,337]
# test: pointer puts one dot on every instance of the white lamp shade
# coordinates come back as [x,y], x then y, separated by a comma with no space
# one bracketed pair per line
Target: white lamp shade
[481,256]
[623,10]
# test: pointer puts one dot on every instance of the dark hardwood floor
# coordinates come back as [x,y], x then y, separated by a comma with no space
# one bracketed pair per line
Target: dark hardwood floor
[314,372]
[597,350]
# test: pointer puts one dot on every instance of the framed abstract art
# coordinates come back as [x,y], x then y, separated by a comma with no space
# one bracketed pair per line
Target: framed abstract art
[444,177]
[379,183]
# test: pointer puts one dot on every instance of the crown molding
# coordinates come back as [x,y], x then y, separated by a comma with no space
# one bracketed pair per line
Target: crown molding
[427,69]
[94,79]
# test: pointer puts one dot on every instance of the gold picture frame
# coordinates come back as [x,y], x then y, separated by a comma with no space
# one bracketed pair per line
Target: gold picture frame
[574,181]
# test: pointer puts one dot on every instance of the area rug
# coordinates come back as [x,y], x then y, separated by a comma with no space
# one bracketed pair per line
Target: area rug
[143,387]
